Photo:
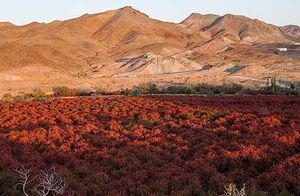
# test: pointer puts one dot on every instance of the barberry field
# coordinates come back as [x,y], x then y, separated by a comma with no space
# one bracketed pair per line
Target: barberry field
[155,145]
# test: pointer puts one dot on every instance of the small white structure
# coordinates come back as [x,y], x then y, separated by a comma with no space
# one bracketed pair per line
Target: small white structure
[282,49]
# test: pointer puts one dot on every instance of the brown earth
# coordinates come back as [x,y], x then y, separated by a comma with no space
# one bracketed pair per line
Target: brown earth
[122,48]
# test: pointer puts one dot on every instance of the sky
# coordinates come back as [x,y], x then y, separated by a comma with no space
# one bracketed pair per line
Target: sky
[278,12]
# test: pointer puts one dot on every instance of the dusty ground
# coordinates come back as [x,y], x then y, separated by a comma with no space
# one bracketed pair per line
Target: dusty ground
[248,77]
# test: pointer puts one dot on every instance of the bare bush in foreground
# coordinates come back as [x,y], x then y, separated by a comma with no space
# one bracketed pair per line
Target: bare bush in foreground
[232,190]
[25,179]
[50,181]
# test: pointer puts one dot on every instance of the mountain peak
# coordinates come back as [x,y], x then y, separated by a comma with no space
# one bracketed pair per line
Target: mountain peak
[6,24]
[230,17]
[197,16]
[292,30]
[128,10]
[196,21]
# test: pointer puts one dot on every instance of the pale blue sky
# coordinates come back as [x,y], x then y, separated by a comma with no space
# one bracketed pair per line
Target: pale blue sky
[277,12]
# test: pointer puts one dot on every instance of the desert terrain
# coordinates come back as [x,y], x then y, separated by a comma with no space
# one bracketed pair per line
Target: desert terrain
[118,103]
[122,48]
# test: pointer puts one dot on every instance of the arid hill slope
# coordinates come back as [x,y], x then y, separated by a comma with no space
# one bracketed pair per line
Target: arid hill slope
[127,43]
[292,30]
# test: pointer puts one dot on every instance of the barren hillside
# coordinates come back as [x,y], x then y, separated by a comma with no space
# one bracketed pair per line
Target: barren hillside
[124,47]
[292,30]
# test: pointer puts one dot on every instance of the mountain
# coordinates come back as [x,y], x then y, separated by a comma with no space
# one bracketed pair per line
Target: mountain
[130,31]
[122,43]
[211,33]
[292,30]
[241,28]
[196,22]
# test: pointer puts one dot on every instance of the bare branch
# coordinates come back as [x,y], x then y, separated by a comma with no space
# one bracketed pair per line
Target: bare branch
[50,181]
[25,179]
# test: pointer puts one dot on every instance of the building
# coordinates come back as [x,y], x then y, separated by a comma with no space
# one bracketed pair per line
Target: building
[282,49]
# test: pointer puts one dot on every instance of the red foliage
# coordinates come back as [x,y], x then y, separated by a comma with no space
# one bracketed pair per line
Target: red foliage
[157,145]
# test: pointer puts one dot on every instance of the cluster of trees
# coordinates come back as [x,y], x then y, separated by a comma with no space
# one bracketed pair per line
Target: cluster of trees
[152,89]
[153,145]
[205,89]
